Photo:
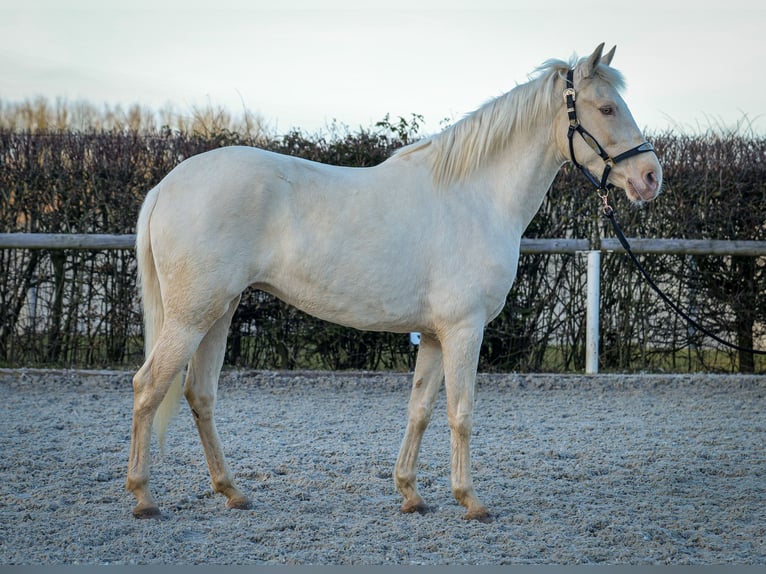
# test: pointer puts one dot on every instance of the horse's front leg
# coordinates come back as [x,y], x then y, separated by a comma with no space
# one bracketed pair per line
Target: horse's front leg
[461,358]
[426,382]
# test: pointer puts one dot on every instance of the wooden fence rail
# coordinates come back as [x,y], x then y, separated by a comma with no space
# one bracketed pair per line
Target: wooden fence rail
[98,241]
[94,241]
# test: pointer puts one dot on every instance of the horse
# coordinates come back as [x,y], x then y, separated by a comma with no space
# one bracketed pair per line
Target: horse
[426,241]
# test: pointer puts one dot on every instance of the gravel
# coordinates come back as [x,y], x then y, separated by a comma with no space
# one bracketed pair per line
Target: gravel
[609,469]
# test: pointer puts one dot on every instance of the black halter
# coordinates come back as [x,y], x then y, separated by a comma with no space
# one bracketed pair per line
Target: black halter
[602,187]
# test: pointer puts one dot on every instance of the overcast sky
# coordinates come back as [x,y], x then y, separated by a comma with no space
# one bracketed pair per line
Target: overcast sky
[303,64]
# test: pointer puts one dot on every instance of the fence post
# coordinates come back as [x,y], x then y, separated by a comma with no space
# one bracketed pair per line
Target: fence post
[592,312]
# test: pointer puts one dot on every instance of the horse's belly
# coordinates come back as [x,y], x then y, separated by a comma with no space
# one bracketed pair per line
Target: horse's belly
[353,305]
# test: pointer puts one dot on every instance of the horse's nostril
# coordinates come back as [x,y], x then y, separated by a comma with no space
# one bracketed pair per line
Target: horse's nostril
[651,180]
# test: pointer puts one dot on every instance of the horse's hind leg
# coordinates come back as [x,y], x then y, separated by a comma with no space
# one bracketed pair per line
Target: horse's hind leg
[150,385]
[426,382]
[200,390]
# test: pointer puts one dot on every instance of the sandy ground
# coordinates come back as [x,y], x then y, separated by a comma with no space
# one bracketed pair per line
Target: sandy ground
[639,469]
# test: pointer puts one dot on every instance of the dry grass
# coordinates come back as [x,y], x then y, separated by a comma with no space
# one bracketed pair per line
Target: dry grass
[61,115]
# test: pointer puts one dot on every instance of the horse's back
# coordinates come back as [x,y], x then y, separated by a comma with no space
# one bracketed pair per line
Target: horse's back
[233,188]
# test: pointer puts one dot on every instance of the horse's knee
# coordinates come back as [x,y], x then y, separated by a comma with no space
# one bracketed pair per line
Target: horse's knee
[461,424]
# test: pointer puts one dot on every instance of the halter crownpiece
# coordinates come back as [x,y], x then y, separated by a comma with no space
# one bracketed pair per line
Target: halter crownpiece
[603,187]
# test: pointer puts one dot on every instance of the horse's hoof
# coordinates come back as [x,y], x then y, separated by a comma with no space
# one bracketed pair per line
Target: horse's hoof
[239,503]
[480,514]
[415,505]
[147,511]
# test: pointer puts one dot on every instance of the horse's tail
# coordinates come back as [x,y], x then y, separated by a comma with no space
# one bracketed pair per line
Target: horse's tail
[151,300]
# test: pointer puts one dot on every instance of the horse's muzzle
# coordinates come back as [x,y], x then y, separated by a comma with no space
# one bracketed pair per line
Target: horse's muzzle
[645,188]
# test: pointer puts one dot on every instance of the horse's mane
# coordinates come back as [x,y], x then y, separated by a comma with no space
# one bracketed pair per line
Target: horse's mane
[469,144]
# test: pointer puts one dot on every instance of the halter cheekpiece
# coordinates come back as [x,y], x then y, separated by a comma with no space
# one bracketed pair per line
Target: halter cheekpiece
[602,187]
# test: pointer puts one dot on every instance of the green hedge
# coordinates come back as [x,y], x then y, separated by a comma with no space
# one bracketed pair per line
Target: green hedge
[79,308]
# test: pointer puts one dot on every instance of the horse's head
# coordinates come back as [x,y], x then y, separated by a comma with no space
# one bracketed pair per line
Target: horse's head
[597,132]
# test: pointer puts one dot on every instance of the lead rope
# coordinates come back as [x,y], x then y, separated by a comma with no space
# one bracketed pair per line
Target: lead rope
[608,212]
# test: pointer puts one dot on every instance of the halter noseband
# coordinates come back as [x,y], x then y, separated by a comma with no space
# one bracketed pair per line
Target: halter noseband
[602,187]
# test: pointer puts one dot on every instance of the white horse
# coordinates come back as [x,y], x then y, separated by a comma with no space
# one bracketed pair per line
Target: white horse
[427,241]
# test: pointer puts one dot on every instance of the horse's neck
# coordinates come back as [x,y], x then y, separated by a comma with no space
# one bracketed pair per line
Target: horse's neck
[520,176]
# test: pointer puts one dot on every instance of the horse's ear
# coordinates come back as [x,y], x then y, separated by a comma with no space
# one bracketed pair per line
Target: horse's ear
[606,59]
[589,67]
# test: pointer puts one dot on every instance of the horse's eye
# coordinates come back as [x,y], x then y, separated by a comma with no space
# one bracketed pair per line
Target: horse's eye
[607,110]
